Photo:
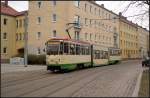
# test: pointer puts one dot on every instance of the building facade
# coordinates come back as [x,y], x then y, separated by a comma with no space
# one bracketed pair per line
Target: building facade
[128,38]
[143,36]
[11,34]
[49,19]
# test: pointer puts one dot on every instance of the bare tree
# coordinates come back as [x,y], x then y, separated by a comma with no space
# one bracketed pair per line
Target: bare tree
[143,12]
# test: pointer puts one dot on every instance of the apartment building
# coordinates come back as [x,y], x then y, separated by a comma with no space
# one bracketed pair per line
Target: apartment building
[49,19]
[12,35]
[128,38]
[143,36]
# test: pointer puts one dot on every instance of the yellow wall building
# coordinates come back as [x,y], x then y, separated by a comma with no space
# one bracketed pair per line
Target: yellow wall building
[49,19]
[10,44]
[143,36]
[128,38]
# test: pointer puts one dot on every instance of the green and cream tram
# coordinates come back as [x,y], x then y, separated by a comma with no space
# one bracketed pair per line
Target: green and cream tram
[67,54]
[114,55]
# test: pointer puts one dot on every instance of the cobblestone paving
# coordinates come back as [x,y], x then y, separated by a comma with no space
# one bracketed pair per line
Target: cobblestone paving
[107,81]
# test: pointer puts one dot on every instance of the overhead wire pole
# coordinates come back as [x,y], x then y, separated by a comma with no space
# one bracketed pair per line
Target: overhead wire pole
[26,41]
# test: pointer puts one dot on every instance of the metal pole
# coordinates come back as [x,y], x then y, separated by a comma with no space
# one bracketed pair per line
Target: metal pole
[26,43]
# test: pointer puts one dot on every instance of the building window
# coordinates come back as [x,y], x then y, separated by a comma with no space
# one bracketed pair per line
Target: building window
[17,23]
[5,35]
[39,20]
[85,36]
[90,22]
[85,7]
[23,36]
[77,3]
[54,2]
[4,50]
[39,4]
[38,51]
[38,35]
[109,16]
[77,35]
[85,21]
[90,8]
[114,19]
[99,12]
[20,21]
[103,14]
[54,17]
[24,22]
[77,20]
[90,36]
[5,21]
[20,36]
[54,33]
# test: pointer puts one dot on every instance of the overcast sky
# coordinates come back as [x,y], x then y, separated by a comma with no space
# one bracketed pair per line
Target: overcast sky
[115,6]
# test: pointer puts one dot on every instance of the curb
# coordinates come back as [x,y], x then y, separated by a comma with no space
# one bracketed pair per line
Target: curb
[137,86]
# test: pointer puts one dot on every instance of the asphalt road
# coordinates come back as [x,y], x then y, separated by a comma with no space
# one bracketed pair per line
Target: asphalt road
[108,81]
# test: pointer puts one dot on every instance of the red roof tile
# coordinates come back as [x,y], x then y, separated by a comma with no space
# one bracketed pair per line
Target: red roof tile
[8,10]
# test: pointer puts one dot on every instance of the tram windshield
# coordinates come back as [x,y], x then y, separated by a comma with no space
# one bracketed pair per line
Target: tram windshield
[52,48]
[67,48]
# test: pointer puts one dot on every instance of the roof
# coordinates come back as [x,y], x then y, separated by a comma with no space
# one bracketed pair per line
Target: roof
[103,7]
[7,10]
[67,39]
[21,13]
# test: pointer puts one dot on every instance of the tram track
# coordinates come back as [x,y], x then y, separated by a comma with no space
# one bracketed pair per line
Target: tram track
[13,76]
[55,80]
[24,79]
[61,85]
[79,84]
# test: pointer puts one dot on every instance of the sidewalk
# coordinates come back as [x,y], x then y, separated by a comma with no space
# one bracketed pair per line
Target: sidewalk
[5,68]
[137,87]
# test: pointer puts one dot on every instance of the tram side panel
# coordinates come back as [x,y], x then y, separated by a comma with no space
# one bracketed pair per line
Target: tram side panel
[100,55]
[68,61]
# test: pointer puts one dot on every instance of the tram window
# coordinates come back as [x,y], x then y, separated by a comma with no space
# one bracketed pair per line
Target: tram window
[72,49]
[83,50]
[97,52]
[101,54]
[66,48]
[105,54]
[87,50]
[98,55]
[61,48]
[52,49]
[77,49]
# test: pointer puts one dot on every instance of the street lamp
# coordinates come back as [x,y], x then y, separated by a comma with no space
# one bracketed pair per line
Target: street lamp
[26,40]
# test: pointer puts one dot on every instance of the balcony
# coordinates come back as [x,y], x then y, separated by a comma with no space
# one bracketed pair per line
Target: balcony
[77,25]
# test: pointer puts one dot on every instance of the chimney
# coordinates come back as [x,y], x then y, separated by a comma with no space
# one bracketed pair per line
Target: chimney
[6,2]
[120,14]
[102,5]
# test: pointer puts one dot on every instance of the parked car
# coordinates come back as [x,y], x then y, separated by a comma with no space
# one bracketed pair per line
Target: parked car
[146,62]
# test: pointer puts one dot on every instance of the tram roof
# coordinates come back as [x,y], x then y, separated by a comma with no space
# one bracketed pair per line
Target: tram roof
[71,40]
